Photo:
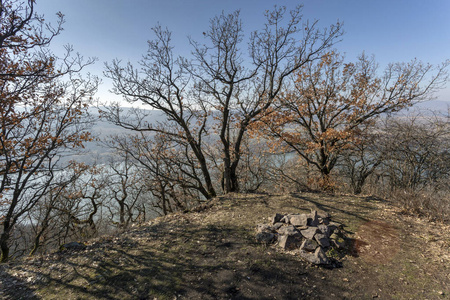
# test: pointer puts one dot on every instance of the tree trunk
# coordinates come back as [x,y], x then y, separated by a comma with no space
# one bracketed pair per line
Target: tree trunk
[358,184]
[227,174]
[326,184]
[122,214]
[210,192]
[36,244]
[230,183]
[357,188]
[230,173]
[4,245]
[234,177]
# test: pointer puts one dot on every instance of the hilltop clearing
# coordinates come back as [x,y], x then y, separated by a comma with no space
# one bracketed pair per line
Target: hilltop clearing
[212,254]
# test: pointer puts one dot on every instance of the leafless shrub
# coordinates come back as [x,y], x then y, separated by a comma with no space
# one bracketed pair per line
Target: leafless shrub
[431,202]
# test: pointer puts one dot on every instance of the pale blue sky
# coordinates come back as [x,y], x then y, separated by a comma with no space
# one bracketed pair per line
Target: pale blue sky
[392,30]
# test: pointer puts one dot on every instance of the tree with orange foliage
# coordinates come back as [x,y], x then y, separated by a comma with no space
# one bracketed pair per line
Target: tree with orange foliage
[329,101]
[41,112]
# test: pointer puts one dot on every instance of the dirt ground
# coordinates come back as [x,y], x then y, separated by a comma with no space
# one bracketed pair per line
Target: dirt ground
[212,254]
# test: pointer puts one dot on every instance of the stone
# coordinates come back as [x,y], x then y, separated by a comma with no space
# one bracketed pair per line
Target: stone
[277,218]
[321,256]
[289,230]
[323,214]
[300,228]
[322,240]
[334,236]
[265,237]
[309,245]
[338,241]
[72,246]
[324,221]
[313,219]
[289,237]
[309,233]
[278,225]
[299,220]
[264,228]
[317,257]
[324,229]
[289,242]
[286,219]
[335,225]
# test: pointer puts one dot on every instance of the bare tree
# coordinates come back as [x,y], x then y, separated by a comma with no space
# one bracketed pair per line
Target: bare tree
[42,219]
[415,168]
[220,90]
[416,148]
[166,167]
[81,199]
[125,189]
[46,220]
[242,94]
[162,86]
[362,158]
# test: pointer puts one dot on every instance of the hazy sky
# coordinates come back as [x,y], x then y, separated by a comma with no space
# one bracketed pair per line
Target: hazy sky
[392,30]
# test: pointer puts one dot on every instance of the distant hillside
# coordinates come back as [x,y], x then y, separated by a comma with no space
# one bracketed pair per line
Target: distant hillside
[95,152]
[102,129]
[433,105]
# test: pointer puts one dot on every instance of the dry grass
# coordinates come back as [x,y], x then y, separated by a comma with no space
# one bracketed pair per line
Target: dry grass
[430,203]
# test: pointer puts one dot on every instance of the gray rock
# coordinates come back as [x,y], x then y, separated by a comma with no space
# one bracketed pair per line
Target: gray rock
[322,239]
[309,245]
[300,228]
[324,221]
[277,218]
[289,237]
[339,243]
[286,219]
[264,228]
[321,256]
[324,229]
[313,219]
[72,246]
[335,225]
[323,214]
[290,231]
[299,220]
[289,242]
[309,233]
[334,236]
[337,231]
[265,237]
[318,257]
[338,240]
[278,225]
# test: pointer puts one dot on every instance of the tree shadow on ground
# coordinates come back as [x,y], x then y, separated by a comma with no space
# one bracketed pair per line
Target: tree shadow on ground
[15,287]
[357,210]
[201,262]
